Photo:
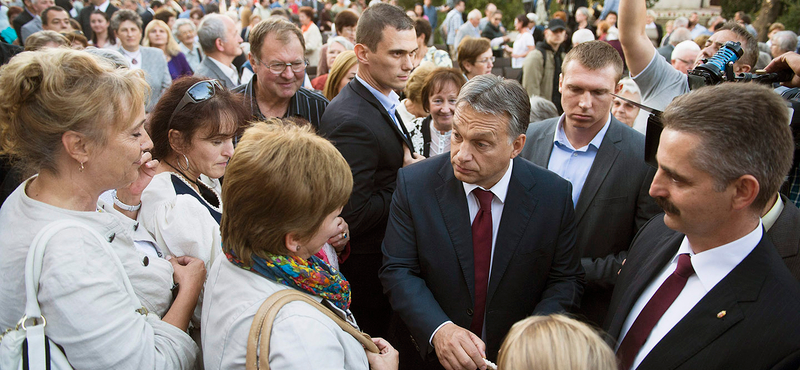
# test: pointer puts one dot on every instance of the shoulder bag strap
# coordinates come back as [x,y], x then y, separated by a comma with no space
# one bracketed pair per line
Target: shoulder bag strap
[262,325]
[33,264]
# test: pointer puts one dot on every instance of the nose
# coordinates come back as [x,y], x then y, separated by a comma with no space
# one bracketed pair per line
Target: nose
[227,149]
[287,73]
[464,153]
[146,144]
[408,62]
[585,100]
[657,186]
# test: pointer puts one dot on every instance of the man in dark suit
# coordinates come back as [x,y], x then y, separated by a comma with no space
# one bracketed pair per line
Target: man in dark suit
[703,287]
[363,124]
[86,12]
[782,224]
[27,15]
[604,160]
[220,42]
[457,286]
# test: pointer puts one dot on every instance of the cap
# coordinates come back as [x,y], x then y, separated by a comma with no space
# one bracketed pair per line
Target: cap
[556,24]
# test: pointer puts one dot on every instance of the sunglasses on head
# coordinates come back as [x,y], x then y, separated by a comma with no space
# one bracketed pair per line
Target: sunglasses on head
[199,92]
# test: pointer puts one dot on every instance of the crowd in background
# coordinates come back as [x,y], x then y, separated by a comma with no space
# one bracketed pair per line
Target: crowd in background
[125,116]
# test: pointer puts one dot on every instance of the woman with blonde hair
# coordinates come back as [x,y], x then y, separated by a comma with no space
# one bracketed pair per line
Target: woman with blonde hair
[283,191]
[554,342]
[158,35]
[79,122]
[344,69]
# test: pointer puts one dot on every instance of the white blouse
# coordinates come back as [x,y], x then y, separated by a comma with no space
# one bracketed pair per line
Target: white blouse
[302,336]
[81,293]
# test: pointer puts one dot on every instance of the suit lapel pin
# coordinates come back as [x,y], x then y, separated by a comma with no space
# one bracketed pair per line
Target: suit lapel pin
[721,314]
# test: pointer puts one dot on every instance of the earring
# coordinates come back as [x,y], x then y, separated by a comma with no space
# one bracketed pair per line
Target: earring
[187,163]
[81,168]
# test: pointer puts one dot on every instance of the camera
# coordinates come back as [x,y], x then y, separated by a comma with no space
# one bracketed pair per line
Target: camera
[719,69]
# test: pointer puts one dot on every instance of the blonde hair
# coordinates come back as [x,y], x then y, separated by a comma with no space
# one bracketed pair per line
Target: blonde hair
[341,66]
[282,179]
[416,82]
[554,342]
[172,45]
[54,90]
[39,39]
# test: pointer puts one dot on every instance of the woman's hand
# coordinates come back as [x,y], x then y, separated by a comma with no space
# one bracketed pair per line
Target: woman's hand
[387,359]
[146,172]
[190,273]
[342,237]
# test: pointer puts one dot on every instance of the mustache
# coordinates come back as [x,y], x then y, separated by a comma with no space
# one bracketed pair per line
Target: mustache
[667,206]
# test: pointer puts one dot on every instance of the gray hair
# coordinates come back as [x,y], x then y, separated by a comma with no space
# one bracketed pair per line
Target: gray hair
[343,41]
[211,28]
[680,22]
[180,22]
[628,85]
[108,55]
[683,47]
[474,14]
[583,10]
[581,36]
[763,60]
[123,15]
[490,94]
[680,35]
[785,40]
[542,109]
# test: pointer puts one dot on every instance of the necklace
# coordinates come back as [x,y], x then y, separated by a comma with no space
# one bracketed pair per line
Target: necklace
[203,190]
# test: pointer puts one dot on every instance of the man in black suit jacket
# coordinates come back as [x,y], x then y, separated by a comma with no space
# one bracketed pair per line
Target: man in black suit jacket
[363,124]
[430,269]
[86,12]
[739,306]
[604,160]
[21,19]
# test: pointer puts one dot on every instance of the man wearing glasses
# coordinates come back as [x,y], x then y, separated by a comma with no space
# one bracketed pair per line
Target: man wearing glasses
[277,56]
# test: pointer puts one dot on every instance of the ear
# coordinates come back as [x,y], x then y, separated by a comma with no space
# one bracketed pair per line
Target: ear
[76,146]
[517,145]
[292,243]
[618,88]
[742,68]
[560,81]
[218,44]
[176,141]
[361,51]
[745,190]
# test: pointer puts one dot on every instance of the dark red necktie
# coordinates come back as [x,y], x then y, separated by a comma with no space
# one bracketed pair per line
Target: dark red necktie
[482,254]
[653,310]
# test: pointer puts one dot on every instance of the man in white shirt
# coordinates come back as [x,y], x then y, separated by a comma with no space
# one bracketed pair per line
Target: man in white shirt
[220,42]
[702,286]
[480,239]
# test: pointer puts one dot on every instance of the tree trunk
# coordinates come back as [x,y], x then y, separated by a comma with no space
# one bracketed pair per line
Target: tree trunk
[769,12]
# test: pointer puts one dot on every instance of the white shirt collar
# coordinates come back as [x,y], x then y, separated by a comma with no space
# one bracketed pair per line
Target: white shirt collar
[713,265]
[560,136]
[388,102]
[500,190]
[227,70]
[130,57]
[104,6]
[772,216]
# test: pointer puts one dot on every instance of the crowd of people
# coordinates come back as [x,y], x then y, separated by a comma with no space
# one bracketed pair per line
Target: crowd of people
[491,199]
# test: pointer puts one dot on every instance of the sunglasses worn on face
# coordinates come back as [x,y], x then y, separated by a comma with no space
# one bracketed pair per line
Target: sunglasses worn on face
[199,92]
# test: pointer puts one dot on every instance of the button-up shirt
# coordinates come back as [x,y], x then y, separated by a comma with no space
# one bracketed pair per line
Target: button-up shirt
[574,164]
[389,103]
[306,104]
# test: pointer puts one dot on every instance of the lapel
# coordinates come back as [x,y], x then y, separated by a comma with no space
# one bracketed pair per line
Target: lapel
[517,211]
[367,95]
[603,161]
[455,212]
[700,327]
[542,143]
[220,76]
[784,234]
[643,275]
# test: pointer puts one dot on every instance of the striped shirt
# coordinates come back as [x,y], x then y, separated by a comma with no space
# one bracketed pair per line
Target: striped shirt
[306,104]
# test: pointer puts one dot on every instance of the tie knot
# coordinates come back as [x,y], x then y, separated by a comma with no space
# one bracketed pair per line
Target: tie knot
[484,199]
[684,268]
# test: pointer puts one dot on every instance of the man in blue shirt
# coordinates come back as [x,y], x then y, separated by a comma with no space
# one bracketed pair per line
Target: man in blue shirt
[604,160]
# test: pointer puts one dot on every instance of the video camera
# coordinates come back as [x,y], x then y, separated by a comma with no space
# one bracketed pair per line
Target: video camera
[719,69]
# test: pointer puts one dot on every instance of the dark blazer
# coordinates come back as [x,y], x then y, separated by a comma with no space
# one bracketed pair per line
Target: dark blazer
[209,69]
[428,268]
[613,205]
[19,21]
[84,18]
[362,130]
[761,328]
[785,235]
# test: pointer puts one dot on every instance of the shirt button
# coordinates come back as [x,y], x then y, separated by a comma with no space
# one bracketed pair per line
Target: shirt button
[469,311]
[575,154]
[145,261]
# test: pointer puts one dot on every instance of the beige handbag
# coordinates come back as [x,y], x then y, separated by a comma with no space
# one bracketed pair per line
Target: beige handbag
[261,329]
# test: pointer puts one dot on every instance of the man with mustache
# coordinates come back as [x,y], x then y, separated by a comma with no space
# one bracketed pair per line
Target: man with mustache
[703,286]
[482,238]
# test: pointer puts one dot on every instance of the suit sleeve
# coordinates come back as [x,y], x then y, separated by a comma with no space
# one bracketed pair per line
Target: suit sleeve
[368,206]
[400,275]
[532,72]
[565,280]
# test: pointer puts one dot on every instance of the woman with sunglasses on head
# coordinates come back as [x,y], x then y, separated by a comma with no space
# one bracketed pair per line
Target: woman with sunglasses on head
[192,128]
[78,122]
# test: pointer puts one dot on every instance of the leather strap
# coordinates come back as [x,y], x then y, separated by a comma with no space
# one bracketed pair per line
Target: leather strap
[261,328]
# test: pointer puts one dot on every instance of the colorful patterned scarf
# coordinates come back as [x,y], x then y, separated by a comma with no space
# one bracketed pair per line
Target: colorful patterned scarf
[313,275]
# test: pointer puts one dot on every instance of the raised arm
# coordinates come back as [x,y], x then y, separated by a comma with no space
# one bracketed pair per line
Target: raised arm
[635,44]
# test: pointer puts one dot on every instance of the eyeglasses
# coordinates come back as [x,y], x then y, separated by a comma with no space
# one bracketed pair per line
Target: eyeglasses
[278,68]
[199,92]
[487,60]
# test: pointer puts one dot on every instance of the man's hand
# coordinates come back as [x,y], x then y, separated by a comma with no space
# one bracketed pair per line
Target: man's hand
[459,349]
[787,60]
[410,157]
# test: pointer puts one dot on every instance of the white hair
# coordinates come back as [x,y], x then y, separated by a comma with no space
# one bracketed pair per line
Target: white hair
[683,47]
[681,22]
[474,14]
[581,36]
[629,86]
